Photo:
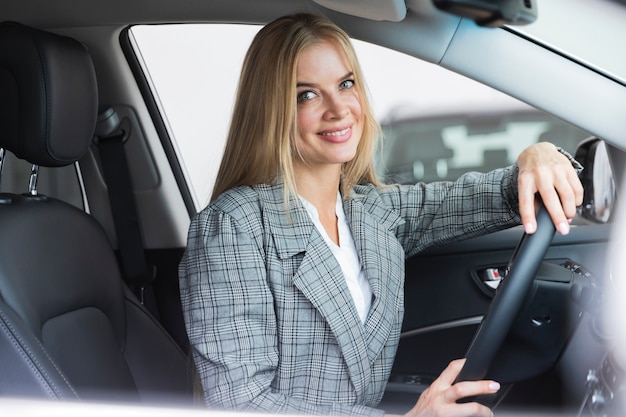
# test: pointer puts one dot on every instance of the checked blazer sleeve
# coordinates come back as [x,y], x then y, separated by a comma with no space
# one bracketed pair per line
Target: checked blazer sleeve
[227,310]
[443,212]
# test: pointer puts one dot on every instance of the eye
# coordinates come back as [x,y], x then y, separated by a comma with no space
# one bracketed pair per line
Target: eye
[346,84]
[306,96]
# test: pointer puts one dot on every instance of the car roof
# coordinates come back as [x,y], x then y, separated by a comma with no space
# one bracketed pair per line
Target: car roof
[69,13]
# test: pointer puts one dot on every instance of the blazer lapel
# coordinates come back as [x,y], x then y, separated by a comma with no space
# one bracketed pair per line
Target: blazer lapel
[320,278]
[379,253]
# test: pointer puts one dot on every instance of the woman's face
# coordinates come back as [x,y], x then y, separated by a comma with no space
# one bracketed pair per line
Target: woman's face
[330,120]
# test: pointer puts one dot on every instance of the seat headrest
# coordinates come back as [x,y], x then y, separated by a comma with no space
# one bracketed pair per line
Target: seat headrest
[49,96]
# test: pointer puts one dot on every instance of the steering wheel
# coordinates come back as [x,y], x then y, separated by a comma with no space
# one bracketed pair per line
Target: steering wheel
[509,298]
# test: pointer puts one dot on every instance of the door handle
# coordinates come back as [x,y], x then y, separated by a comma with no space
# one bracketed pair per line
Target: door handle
[491,277]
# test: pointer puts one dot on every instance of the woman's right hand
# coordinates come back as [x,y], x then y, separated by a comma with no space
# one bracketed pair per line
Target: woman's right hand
[440,399]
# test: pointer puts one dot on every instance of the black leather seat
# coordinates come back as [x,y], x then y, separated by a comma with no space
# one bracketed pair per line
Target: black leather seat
[69,327]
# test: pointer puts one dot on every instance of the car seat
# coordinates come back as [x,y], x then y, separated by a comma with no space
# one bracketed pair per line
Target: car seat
[69,327]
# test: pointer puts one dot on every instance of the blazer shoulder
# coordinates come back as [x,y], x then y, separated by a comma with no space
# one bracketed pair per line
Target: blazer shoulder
[239,205]
[237,202]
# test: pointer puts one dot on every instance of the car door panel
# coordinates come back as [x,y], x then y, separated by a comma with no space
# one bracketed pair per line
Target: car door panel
[444,302]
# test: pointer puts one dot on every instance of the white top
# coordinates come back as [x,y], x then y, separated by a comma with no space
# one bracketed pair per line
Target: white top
[347,256]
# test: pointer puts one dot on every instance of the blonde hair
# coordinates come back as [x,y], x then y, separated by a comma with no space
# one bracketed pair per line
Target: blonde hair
[259,144]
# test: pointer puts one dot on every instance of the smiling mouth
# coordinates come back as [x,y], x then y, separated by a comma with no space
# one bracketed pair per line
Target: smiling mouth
[336,133]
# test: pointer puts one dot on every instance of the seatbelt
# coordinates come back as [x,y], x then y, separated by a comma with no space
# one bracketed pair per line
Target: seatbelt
[110,141]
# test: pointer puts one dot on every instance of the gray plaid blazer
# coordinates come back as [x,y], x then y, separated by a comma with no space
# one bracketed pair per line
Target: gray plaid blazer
[271,322]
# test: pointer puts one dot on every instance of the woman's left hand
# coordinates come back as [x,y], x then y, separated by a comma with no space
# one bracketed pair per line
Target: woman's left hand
[544,170]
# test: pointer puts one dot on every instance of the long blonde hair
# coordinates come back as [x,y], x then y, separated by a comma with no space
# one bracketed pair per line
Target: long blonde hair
[263,126]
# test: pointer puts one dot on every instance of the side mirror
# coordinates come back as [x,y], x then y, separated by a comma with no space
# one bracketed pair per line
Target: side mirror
[597,178]
[492,13]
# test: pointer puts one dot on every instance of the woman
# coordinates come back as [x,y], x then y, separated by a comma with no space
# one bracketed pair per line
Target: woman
[292,282]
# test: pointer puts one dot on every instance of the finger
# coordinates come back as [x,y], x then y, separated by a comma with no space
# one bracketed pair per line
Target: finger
[467,389]
[558,194]
[572,179]
[449,375]
[577,186]
[526,198]
[568,198]
[570,191]
[472,409]
[568,186]
[552,203]
[560,197]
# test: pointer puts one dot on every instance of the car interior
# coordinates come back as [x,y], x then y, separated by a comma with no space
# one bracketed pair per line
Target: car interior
[95,207]
[81,333]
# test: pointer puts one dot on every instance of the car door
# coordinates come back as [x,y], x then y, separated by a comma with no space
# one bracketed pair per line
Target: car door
[446,298]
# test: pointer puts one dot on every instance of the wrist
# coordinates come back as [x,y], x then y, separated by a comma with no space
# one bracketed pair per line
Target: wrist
[575,164]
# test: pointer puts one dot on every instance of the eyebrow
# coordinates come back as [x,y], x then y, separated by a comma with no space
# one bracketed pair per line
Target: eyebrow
[345,77]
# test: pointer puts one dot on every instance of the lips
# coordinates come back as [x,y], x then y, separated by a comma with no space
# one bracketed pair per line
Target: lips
[337,135]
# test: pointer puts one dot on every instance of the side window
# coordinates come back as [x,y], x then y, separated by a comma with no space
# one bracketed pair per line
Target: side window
[194,70]
[436,124]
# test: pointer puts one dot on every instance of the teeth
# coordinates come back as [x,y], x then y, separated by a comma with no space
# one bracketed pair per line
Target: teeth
[338,133]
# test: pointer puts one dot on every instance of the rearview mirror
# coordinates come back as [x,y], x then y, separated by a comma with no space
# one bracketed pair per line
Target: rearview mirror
[492,13]
[597,179]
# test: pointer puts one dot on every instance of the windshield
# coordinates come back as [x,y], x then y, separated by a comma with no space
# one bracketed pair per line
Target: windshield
[566,26]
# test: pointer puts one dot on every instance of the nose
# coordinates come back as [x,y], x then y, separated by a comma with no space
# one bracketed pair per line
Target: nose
[336,107]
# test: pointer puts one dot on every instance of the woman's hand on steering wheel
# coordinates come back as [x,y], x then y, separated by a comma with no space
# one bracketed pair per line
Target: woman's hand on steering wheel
[545,171]
[440,399]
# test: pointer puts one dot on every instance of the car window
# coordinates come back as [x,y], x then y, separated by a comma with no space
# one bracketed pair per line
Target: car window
[437,124]
[444,146]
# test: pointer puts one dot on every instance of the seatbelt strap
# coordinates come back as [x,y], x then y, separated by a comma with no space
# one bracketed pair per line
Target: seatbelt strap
[138,274]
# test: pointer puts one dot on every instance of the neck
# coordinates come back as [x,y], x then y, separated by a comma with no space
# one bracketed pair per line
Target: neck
[319,186]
